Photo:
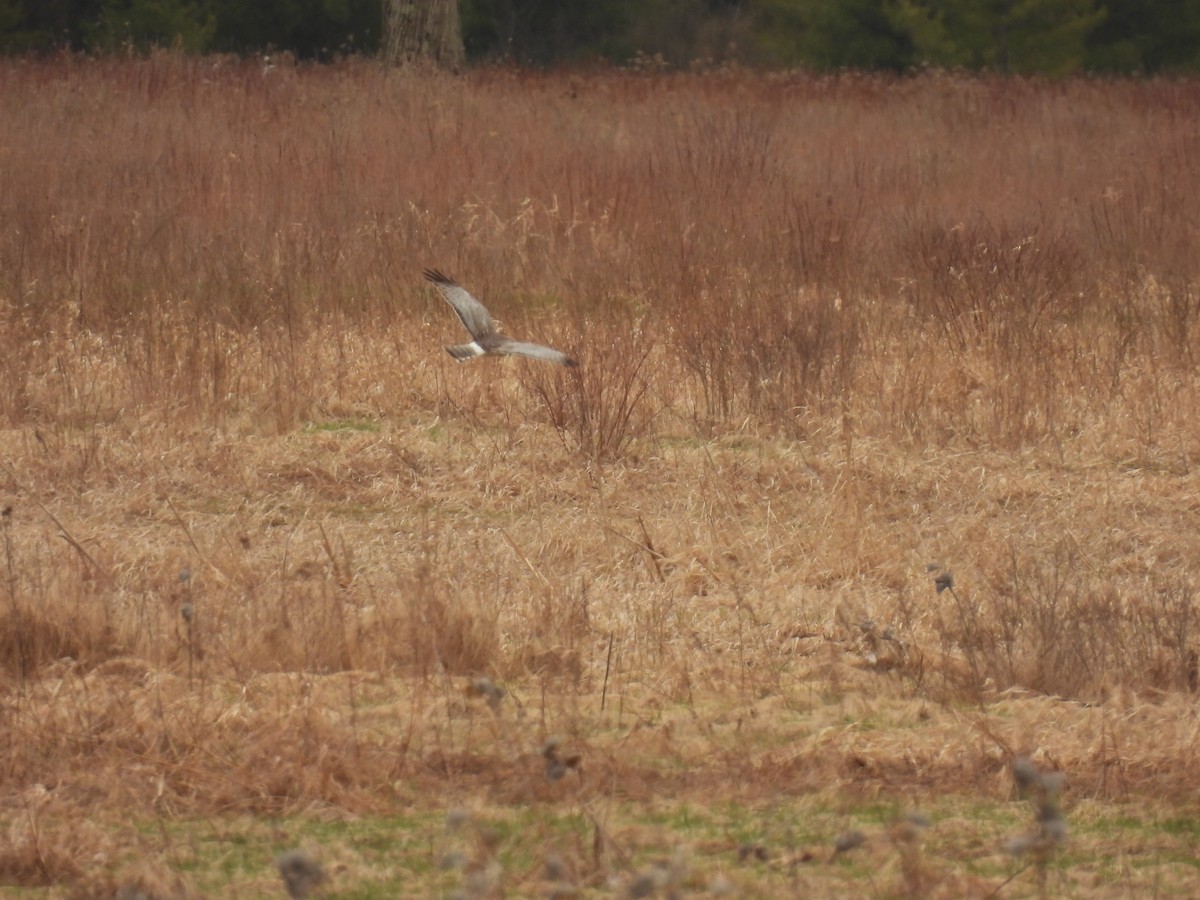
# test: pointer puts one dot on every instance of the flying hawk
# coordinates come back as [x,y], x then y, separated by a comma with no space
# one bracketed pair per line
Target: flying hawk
[486,339]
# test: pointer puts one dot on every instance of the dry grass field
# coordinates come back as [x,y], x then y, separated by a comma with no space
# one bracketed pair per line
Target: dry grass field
[870,507]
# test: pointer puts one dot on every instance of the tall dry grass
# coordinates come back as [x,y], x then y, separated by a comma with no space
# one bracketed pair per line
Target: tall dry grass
[262,532]
[787,237]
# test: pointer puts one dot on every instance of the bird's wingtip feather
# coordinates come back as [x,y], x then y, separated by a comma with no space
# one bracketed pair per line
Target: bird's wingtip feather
[437,277]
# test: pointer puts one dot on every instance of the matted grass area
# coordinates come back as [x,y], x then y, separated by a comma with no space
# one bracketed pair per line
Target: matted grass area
[876,477]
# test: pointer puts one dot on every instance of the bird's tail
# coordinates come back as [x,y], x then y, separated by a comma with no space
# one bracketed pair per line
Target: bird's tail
[464,352]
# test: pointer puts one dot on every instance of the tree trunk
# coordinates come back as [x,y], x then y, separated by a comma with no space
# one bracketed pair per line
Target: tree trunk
[423,30]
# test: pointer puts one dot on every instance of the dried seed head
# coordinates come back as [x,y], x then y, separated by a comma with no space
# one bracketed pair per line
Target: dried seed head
[753,851]
[646,883]
[909,828]
[1052,783]
[488,690]
[721,886]
[848,841]
[301,873]
[555,868]
[557,768]
[482,881]
[1019,846]
[944,581]
[677,868]
[1055,829]
[1051,828]
[187,611]
[489,837]
[1025,774]
[917,817]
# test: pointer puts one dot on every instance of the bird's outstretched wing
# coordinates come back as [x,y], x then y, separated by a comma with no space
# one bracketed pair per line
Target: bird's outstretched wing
[534,351]
[474,315]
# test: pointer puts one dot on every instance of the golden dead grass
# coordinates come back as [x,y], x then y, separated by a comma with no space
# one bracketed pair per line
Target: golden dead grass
[268,551]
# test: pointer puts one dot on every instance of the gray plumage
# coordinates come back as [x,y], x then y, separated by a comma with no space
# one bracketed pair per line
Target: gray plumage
[486,339]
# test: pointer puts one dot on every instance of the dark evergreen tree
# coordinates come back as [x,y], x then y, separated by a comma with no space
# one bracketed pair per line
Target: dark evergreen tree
[312,29]
[1043,36]
[541,32]
[142,24]
[857,34]
[1146,36]
[46,24]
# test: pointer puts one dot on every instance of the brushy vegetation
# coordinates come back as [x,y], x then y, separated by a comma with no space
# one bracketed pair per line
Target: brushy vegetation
[875,480]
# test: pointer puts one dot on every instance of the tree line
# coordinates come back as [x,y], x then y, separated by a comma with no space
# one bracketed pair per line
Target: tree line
[1053,37]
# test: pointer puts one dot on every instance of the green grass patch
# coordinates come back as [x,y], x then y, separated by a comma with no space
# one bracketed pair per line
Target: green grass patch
[762,850]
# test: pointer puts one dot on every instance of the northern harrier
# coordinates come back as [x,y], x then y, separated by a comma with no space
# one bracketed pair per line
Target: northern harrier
[486,339]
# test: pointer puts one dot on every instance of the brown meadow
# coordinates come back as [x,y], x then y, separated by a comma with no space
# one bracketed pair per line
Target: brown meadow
[875,476]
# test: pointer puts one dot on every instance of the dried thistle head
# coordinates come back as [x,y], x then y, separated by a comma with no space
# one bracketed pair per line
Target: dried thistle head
[1030,781]
[1054,829]
[555,868]
[487,690]
[562,877]
[456,818]
[301,873]
[910,828]
[1052,784]
[1043,789]
[480,882]
[753,851]
[721,886]
[1025,774]
[644,884]
[489,838]
[848,841]
[558,765]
